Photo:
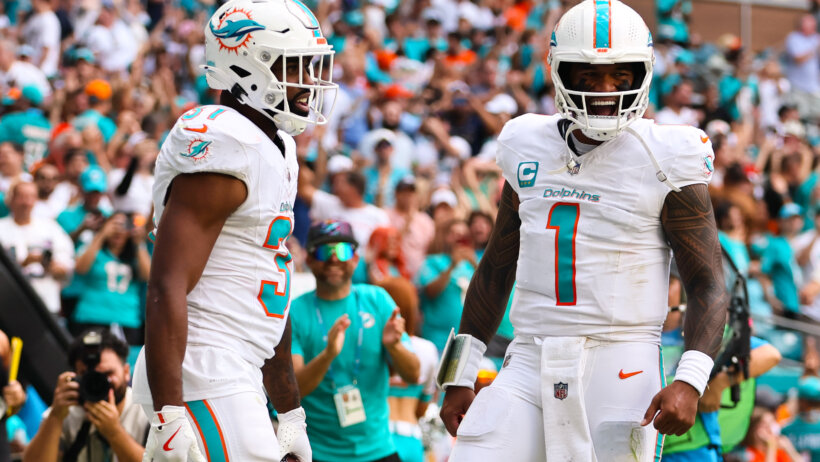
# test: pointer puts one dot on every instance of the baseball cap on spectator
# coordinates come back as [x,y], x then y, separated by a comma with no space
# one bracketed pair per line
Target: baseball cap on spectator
[465,151]
[501,103]
[85,54]
[718,127]
[808,388]
[384,134]
[685,56]
[794,128]
[431,14]
[32,94]
[790,210]
[397,91]
[93,180]
[443,196]
[99,89]
[25,50]
[407,183]
[329,231]
[339,163]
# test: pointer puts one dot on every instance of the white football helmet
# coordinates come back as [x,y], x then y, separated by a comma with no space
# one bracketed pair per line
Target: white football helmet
[601,32]
[243,40]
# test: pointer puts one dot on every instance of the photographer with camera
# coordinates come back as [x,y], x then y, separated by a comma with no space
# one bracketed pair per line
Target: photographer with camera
[92,417]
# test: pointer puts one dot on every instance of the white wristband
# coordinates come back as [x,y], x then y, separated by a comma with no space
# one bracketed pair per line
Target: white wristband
[460,361]
[694,368]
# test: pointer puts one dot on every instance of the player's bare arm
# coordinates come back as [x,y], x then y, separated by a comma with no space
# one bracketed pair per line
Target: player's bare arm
[196,209]
[277,374]
[487,296]
[689,224]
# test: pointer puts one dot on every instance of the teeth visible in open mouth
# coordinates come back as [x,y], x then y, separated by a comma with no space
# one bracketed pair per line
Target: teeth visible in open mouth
[602,103]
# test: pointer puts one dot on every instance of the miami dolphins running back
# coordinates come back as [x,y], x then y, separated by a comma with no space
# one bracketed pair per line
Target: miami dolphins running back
[218,333]
[595,198]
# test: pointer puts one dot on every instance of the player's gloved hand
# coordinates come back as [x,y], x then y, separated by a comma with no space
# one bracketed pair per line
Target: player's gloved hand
[676,407]
[292,435]
[171,438]
[456,402]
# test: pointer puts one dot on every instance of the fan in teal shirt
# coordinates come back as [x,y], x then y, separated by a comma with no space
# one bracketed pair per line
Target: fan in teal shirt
[804,430]
[369,308]
[27,126]
[442,312]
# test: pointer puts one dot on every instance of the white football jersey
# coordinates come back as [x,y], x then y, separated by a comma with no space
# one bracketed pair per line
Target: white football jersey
[240,305]
[593,257]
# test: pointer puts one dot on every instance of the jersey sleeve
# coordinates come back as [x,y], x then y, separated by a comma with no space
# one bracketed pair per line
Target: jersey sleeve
[506,157]
[693,161]
[213,151]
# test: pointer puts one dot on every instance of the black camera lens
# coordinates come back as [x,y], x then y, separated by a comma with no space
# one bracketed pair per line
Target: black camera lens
[94,387]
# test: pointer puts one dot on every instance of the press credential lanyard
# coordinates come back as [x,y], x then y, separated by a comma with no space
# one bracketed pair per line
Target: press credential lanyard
[358,354]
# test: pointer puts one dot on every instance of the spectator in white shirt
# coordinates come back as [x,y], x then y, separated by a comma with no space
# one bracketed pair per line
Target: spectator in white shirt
[42,33]
[677,110]
[14,72]
[43,250]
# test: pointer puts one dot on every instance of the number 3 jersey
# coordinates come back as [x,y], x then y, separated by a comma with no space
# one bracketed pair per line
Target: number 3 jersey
[238,309]
[593,257]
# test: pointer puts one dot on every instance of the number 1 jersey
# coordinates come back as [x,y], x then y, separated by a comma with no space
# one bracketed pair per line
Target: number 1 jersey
[593,257]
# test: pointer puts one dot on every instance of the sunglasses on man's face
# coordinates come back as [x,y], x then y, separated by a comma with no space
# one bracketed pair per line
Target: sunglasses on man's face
[344,251]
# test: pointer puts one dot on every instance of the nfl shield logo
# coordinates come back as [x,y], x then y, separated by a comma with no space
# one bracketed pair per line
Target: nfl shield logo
[561,389]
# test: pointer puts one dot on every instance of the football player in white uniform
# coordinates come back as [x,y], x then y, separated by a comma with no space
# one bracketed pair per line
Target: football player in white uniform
[595,198]
[219,292]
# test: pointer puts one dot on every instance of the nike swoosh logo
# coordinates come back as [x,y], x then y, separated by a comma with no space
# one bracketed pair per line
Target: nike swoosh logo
[704,139]
[165,446]
[627,375]
[204,129]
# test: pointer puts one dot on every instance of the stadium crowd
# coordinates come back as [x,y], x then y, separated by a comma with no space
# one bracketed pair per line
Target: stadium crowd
[90,88]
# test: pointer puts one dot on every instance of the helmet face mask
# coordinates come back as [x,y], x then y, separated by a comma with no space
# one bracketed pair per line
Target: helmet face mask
[247,41]
[601,32]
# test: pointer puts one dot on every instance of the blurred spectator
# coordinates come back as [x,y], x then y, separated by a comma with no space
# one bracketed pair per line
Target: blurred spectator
[385,256]
[443,280]
[99,104]
[49,204]
[346,203]
[803,69]
[111,40]
[443,204]
[408,401]
[343,376]
[804,430]
[25,124]
[764,443]
[673,20]
[416,228]
[83,219]
[481,226]
[13,398]
[778,261]
[11,165]
[110,269]
[382,176]
[773,88]
[81,426]
[42,32]
[390,114]
[43,250]
[16,73]
[677,110]
[131,187]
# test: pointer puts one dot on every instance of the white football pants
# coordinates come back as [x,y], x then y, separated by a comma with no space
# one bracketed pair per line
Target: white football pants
[521,416]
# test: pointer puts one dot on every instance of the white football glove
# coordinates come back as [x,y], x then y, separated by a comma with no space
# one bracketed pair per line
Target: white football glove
[171,438]
[292,435]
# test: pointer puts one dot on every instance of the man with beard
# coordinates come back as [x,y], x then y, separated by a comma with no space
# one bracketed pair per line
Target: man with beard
[109,429]
[346,340]
[217,325]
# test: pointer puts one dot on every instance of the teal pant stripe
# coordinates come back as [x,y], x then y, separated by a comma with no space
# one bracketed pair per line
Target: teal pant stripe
[209,431]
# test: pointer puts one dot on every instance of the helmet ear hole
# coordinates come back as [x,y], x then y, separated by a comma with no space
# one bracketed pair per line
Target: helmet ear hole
[241,72]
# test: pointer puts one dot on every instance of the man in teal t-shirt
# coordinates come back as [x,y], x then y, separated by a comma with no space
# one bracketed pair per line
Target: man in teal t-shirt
[804,431]
[346,338]
[26,125]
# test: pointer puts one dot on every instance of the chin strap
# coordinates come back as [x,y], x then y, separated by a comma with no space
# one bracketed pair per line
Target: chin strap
[573,165]
[659,174]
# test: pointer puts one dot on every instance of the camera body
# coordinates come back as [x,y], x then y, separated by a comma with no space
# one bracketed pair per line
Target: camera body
[94,386]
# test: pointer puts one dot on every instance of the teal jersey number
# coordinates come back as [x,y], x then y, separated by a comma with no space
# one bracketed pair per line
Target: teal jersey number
[563,218]
[274,295]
